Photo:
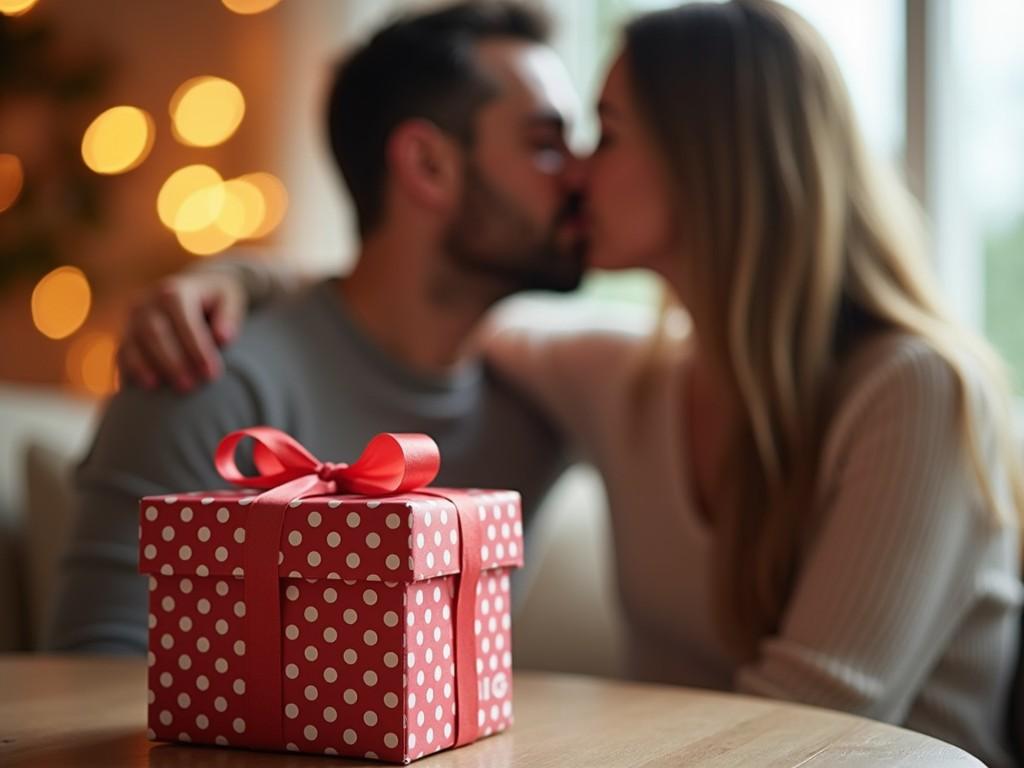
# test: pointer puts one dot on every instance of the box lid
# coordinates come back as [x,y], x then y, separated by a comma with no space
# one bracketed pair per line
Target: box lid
[410,537]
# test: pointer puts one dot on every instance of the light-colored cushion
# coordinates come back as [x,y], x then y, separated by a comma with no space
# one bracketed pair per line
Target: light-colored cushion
[567,615]
[29,415]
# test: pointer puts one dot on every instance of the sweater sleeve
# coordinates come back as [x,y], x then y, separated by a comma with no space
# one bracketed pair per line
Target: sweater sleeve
[898,553]
[148,442]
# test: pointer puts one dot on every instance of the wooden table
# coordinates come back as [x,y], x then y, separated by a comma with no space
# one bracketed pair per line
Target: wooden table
[72,713]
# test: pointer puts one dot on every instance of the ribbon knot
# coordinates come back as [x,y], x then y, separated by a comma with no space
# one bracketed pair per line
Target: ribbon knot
[327,470]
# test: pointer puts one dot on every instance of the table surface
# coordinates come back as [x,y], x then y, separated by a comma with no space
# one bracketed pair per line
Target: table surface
[75,712]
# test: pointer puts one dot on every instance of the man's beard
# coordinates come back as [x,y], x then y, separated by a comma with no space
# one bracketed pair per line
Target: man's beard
[492,237]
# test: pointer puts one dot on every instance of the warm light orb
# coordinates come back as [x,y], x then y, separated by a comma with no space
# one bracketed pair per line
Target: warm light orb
[16,7]
[248,7]
[118,140]
[275,198]
[91,363]
[244,209]
[60,302]
[12,179]
[206,111]
[207,241]
[191,198]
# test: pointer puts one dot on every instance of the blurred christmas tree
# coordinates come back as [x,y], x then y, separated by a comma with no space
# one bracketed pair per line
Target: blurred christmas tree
[51,196]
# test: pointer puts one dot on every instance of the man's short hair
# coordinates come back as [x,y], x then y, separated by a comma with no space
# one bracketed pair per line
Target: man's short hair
[419,66]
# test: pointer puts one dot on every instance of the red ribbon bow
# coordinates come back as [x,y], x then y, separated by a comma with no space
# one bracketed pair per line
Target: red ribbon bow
[390,464]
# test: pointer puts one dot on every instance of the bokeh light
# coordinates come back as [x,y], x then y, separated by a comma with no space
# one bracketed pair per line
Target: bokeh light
[207,241]
[244,209]
[118,140]
[275,199]
[191,199]
[16,7]
[12,178]
[61,302]
[248,7]
[206,111]
[91,363]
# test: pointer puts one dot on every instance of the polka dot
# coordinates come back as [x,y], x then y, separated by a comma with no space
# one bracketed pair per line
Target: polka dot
[331,675]
[350,656]
[393,521]
[203,534]
[390,700]
[372,540]
[221,554]
[221,665]
[221,741]
[352,560]
[314,519]
[295,539]
[166,718]
[350,696]
[239,609]
[291,671]
[167,642]
[240,535]
[333,539]
[370,677]
[203,683]
[370,717]
[420,541]
[314,558]
[223,515]
[390,619]
[186,514]
[149,552]
[238,687]
[393,562]
[311,614]
[390,660]
[202,722]
[239,647]
[310,732]
[412,741]
[292,593]
[166,679]
[221,626]
[151,513]
[353,520]
[350,616]
[185,661]
[390,740]
[330,595]
[238,724]
[220,704]
[370,597]
[311,693]
[349,736]
[291,711]
[185,552]
[311,653]
[291,632]
[330,714]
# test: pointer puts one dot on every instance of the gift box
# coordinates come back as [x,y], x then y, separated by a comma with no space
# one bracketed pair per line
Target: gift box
[346,610]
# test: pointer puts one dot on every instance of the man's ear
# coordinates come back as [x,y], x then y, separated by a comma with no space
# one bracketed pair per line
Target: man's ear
[426,165]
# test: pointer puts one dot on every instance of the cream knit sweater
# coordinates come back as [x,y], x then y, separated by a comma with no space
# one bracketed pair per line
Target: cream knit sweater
[907,601]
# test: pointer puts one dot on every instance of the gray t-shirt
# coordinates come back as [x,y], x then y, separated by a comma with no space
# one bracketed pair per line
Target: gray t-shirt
[304,367]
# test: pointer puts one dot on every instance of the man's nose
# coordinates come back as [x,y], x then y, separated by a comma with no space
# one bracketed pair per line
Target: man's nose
[575,171]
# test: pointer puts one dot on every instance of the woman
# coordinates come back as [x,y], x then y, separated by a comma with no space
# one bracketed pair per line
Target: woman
[814,490]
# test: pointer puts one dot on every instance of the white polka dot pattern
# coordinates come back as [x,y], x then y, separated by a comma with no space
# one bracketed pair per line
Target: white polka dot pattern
[367,599]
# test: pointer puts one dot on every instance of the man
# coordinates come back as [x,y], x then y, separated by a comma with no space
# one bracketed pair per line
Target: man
[448,129]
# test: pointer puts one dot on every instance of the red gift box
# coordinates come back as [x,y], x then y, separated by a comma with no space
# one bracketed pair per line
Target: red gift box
[312,619]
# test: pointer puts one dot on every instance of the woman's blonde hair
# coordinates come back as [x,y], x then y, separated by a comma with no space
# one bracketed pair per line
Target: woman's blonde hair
[797,246]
